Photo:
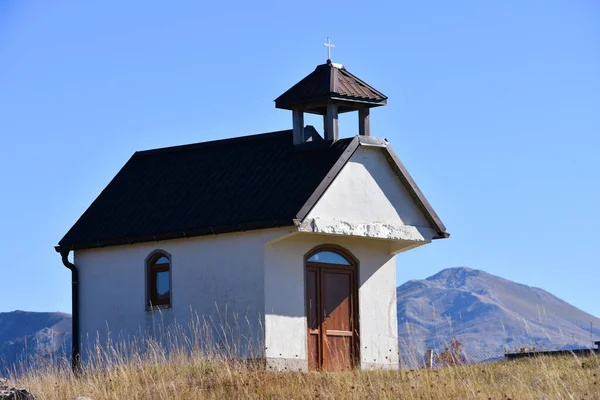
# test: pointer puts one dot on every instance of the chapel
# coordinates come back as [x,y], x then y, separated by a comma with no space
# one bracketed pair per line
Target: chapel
[286,238]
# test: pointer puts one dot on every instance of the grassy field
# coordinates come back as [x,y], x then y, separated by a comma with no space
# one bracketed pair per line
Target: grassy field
[181,376]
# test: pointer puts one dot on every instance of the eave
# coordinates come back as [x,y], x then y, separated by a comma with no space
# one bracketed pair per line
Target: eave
[216,230]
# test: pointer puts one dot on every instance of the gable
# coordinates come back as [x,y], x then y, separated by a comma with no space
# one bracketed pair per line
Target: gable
[367,190]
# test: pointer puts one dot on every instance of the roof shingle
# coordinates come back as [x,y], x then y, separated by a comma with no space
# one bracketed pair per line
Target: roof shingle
[330,81]
[243,183]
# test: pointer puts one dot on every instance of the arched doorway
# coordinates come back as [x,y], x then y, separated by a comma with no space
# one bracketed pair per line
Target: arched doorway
[332,308]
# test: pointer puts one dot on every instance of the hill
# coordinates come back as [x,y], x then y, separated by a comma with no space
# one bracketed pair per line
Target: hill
[488,314]
[26,335]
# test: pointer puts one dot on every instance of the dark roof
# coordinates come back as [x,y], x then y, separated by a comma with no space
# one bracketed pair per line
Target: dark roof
[251,182]
[226,185]
[330,82]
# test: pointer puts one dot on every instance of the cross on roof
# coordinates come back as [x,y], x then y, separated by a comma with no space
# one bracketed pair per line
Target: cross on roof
[329,46]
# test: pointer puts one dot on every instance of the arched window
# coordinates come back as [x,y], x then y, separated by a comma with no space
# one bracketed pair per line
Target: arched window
[329,257]
[159,280]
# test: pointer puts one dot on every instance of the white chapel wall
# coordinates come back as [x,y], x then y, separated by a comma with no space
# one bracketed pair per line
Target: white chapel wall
[285,320]
[368,199]
[218,279]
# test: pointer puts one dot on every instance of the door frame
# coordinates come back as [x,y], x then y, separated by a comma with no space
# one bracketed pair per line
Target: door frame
[355,268]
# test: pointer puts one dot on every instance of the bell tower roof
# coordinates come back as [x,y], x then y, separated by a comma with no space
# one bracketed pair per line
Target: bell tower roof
[330,83]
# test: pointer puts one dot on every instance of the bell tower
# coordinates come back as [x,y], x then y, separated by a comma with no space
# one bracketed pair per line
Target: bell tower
[329,91]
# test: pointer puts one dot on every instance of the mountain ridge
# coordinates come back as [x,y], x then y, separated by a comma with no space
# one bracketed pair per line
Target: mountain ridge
[31,335]
[488,314]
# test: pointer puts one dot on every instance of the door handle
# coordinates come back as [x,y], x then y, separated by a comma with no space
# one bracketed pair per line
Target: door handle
[324,316]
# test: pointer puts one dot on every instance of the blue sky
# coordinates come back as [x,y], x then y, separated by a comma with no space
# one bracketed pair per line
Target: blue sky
[493,107]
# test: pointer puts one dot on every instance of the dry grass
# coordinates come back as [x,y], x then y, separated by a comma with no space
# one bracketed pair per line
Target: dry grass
[195,363]
[193,376]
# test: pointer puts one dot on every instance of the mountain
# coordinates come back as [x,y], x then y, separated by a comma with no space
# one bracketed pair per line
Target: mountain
[488,315]
[27,336]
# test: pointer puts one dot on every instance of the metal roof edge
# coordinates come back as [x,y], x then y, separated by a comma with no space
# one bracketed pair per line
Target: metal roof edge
[216,142]
[372,141]
[286,105]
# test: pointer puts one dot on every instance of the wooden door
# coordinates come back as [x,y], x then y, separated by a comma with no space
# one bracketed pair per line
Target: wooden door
[331,316]
[337,324]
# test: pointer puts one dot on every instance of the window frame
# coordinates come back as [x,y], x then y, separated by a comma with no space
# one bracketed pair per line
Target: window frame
[152,270]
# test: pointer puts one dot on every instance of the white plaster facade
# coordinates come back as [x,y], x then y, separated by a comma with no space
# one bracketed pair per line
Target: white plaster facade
[367,199]
[253,281]
[217,279]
